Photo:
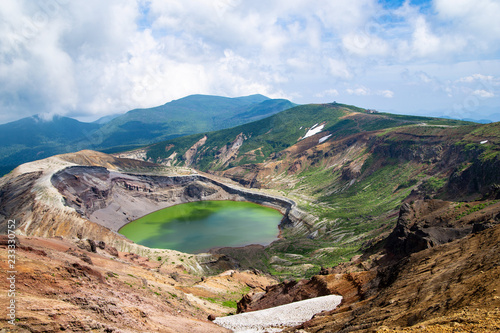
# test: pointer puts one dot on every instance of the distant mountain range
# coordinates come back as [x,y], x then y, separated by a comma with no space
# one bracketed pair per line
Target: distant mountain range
[34,138]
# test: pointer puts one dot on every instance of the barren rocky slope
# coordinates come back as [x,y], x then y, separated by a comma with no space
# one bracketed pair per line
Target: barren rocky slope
[454,287]
[438,271]
[74,287]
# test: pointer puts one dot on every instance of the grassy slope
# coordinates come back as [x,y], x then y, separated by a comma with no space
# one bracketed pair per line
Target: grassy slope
[351,210]
[353,215]
[278,132]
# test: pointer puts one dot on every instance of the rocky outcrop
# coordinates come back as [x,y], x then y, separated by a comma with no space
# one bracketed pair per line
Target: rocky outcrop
[63,288]
[428,223]
[229,152]
[191,152]
[430,270]
[477,177]
[351,286]
[450,287]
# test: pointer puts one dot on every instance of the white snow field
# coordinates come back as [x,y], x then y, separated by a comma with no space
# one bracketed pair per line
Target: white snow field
[277,318]
[314,130]
[323,139]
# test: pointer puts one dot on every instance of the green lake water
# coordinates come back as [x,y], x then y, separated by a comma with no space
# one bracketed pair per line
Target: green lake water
[198,226]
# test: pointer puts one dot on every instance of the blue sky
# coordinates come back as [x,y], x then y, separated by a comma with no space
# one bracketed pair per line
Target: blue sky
[88,59]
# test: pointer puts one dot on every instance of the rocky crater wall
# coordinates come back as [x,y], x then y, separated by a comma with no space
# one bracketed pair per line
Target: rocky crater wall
[113,199]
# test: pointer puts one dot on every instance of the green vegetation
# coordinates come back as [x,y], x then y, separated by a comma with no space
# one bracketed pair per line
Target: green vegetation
[230,304]
[433,184]
[351,207]
[349,214]
[282,130]
[475,208]
[228,299]
[221,301]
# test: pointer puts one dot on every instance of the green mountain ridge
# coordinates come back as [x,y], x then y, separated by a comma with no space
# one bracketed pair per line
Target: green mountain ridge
[278,132]
[33,138]
[189,115]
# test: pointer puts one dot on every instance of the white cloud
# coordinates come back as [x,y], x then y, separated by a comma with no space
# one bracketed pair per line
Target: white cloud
[479,15]
[91,58]
[386,93]
[365,45]
[424,41]
[362,91]
[476,77]
[483,93]
[475,20]
[338,69]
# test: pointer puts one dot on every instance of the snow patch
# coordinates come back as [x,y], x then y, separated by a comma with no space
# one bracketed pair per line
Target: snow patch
[273,319]
[314,130]
[323,139]
[483,142]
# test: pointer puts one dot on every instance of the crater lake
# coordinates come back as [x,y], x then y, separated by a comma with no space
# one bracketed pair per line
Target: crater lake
[199,226]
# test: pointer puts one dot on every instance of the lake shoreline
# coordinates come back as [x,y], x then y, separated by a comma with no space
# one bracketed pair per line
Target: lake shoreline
[199,226]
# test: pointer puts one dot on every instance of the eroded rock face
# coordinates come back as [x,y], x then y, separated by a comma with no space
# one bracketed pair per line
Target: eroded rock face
[15,194]
[429,223]
[450,287]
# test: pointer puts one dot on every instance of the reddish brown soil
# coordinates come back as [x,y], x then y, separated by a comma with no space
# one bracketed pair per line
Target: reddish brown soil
[59,290]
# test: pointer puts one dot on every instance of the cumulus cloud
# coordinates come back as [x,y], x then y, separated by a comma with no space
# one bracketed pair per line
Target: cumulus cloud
[92,58]
[362,91]
[483,93]
[475,78]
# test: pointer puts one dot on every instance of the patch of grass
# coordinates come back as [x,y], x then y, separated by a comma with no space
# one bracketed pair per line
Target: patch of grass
[433,184]
[211,299]
[230,304]
[475,208]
